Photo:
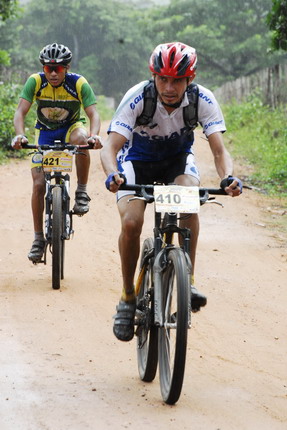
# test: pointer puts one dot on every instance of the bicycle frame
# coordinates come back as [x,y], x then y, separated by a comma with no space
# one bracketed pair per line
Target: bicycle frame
[62,181]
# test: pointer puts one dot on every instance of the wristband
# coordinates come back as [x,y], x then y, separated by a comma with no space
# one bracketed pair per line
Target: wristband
[110,178]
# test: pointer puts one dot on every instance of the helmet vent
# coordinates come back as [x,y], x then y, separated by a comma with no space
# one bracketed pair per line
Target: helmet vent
[171,59]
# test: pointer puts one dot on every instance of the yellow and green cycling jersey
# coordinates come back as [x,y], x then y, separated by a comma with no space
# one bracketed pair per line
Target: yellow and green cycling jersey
[58,106]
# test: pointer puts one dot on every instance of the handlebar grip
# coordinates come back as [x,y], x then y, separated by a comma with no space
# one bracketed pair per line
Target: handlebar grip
[28,146]
[214,191]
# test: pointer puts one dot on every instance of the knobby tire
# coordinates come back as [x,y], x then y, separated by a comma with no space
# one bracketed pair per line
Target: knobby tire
[62,255]
[147,332]
[173,341]
[57,237]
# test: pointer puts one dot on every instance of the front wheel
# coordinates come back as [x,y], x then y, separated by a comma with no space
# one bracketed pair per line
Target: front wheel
[173,334]
[147,332]
[57,237]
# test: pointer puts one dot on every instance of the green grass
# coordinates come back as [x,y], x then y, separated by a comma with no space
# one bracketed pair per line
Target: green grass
[257,135]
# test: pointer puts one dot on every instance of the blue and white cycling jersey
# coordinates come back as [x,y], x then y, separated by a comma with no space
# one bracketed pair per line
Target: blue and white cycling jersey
[168,136]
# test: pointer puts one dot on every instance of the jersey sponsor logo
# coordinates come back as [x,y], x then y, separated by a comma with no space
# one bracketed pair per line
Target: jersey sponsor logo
[210,124]
[70,90]
[205,98]
[122,124]
[173,136]
[136,101]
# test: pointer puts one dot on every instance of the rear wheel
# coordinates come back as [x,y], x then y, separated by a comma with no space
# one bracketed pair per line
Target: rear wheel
[57,237]
[173,334]
[147,332]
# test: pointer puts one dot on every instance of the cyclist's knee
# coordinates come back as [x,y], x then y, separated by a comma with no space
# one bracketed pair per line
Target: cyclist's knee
[131,226]
[38,188]
[187,180]
[79,137]
[38,185]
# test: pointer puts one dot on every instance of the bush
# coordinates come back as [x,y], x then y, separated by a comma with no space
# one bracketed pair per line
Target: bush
[8,102]
[258,135]
[9,97]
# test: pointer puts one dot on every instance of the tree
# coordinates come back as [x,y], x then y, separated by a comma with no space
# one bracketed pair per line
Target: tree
[231,37]
[107,40]
[277,21]
[7,8]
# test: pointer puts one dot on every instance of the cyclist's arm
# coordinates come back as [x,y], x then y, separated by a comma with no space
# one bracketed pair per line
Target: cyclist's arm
[112,146]
[95,124]
[223,161]
[20,114]
[19,123]
[222,158]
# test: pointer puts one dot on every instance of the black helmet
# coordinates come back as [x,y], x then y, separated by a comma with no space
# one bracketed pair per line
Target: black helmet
[55,54]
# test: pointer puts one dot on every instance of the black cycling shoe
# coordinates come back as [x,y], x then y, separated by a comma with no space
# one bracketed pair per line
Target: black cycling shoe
[198,300]
[81,206]
[124,321]
[37,251]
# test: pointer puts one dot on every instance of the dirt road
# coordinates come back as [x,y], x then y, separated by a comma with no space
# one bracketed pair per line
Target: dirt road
[62,368]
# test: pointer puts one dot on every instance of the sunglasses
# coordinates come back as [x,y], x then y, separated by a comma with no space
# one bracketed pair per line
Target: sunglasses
[57,69]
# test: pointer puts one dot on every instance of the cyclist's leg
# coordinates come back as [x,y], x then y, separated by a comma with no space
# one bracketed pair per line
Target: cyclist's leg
[78,135]
[37,204]
[132,214]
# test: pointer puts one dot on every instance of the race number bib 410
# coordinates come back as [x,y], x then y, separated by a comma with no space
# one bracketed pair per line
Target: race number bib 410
[176,199]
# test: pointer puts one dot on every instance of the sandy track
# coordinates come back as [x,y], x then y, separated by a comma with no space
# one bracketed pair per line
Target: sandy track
[62,368]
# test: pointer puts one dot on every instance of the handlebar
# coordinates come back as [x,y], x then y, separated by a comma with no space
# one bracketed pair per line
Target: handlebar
[57,146]
[146,191]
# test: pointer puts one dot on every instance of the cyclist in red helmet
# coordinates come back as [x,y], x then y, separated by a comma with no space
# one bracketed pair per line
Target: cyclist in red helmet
[59,95]
[160,149]
[174,60]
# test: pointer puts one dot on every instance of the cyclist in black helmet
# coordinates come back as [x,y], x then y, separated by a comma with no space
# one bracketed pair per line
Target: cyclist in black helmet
[59,95]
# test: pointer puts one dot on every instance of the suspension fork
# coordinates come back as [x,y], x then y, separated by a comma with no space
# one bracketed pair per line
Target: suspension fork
[68,228]
[48,203]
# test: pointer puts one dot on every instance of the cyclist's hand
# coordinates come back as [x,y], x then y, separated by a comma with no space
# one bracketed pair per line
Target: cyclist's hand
[18,140]
[232,186]
[96,141]
[114,181]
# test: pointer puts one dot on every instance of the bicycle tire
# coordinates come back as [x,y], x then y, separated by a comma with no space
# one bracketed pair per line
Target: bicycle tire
[147,332]
[173,334]
[62,256]
[57,236]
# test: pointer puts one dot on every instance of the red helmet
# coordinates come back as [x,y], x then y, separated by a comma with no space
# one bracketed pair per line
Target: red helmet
[175,60]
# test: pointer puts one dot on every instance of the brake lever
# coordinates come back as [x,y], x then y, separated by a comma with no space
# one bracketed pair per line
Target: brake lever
[136,198]
[216,202]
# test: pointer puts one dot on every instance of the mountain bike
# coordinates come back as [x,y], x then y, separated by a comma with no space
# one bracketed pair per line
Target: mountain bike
[57,162]
[163,314]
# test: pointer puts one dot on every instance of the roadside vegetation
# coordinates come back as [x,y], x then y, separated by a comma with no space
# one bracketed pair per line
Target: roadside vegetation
[257,135]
